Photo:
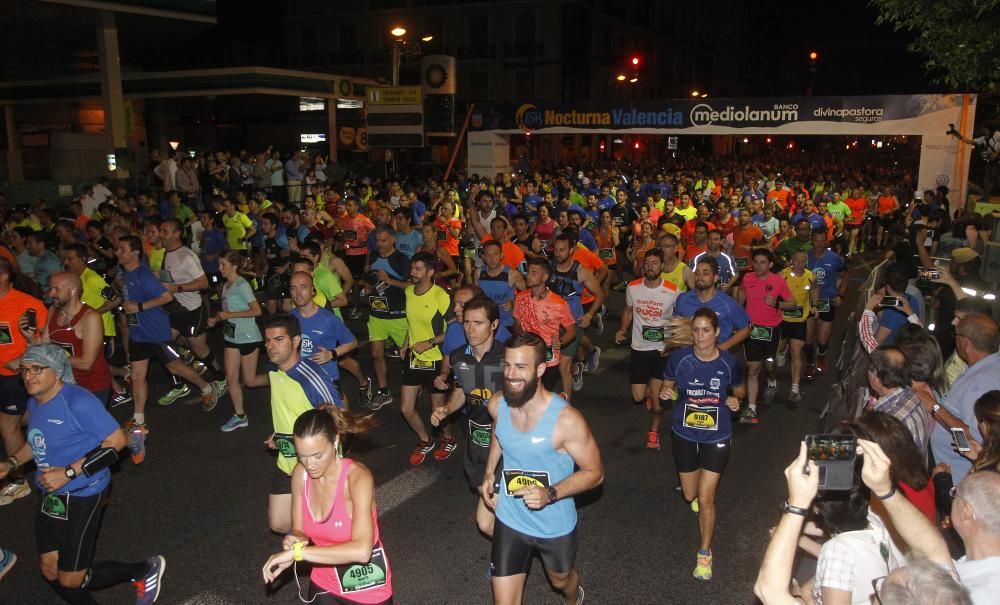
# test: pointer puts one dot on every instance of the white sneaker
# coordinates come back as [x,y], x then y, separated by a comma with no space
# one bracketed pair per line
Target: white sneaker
[780,359]
[13,491]
[577,376]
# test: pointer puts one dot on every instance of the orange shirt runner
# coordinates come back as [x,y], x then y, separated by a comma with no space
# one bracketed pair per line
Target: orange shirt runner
[858,206]
[744,241]
[544,317]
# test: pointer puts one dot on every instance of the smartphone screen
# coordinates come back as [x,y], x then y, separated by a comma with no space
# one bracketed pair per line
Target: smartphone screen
[827,448]
[961,440]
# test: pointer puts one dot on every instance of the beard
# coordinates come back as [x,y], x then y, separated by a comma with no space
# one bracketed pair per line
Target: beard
[516,399]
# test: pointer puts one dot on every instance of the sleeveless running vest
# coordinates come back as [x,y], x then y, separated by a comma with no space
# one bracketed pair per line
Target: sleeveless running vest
[98,377]
[529,459]
[499,289]
[567,285]
[368,582]
[676,277]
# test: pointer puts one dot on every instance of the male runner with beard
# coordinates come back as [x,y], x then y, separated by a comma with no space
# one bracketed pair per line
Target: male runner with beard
[541,438]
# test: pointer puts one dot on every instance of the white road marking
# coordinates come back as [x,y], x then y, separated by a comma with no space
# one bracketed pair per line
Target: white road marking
[403,487]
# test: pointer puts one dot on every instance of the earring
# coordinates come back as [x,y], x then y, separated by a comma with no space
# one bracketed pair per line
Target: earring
[340,448]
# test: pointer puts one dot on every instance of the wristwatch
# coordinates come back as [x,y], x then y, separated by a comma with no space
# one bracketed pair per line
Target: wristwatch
[935,408]
[795,510]
[553,496]
[70,473]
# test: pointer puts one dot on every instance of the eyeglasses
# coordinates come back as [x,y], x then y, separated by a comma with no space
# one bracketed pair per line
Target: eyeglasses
[877,584]
[33,370]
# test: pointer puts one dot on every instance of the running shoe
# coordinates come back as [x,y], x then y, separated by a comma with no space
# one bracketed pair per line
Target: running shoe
[7,560]
[749,416]
[695,508]
[810,373]
[235,422]
[770,392]
[14,491]
[355,313]
[620,287]
[594,360]
[821,364]
[367,392]
[210,399]
[419,453]
[579,599]
[222,386]
[137,443]
[121,398]
[703,566]
[794,398]
[199,367]
[577,376]
[392,352]
[446,449]
[178,392]
[780,359]
[652,440]
[147,589]
[380,400]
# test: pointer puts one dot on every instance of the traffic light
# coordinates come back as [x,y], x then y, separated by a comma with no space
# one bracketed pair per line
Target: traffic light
[635,61]
[602,146]
[813,55]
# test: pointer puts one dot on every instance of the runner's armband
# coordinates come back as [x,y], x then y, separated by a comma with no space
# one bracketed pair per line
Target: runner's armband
[99,459]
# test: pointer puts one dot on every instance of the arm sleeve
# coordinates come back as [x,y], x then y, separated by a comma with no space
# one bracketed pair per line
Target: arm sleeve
[866,330]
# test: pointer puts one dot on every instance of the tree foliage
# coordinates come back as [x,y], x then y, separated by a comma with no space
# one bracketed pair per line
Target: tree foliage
[959,39]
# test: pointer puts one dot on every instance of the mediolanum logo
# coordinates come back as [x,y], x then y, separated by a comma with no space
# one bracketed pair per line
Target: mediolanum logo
[704,114]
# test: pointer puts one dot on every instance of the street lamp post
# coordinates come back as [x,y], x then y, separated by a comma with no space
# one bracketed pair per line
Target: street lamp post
[397,51]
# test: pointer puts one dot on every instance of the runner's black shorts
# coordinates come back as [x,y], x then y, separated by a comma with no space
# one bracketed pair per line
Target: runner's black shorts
[72,534]
[757,349]
[13,397]
[421,377]
[690,456]
[645,366]
[245,348]
[189,323]
[827,316]
[795,330]
[355,264]
[114,352]
[281,483]
[512,551]
[317,596]
[163,352]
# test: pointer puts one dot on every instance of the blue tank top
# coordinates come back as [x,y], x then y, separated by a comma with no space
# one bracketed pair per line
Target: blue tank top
[499,289]
[567,285]
[529,459]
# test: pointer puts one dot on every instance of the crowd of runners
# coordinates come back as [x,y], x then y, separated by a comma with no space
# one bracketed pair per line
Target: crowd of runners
[491,292]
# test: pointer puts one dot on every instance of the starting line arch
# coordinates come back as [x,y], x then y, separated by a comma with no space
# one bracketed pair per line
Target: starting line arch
[944,160]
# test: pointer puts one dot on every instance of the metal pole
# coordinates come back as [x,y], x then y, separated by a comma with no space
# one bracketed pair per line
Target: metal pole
[458,142]
[395,61]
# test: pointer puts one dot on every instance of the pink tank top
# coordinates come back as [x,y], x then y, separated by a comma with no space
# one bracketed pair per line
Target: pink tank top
[369,582]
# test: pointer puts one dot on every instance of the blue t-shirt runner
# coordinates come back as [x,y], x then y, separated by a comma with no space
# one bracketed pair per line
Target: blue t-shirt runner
[150,325]
[322,330]
[701,414]
[826,268]
[732,316]
[65,429]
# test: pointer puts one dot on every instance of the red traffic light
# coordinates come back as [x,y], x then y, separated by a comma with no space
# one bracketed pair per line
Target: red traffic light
[635,61]
[813,55]
[602,146]
[637,144]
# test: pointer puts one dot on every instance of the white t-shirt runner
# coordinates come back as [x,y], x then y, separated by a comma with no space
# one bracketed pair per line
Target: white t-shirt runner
[651,308]
[182,266]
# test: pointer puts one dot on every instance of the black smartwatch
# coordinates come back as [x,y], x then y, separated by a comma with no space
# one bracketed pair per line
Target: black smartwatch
[70,473]
[552,493]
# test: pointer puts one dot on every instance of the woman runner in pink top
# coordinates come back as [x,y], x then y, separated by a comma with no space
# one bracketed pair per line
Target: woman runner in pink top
[334,517]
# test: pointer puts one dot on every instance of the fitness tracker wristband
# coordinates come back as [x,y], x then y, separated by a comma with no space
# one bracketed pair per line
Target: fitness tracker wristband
[140,307]
[297,550]
[892,492]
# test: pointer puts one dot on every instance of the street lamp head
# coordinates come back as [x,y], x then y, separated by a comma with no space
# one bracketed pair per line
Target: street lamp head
[398,31]
[620,77]
[427,38]
[704,95]
[695,93]
[813,55]
[633,79]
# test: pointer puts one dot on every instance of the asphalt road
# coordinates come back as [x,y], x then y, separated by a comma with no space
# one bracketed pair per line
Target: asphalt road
[200,499]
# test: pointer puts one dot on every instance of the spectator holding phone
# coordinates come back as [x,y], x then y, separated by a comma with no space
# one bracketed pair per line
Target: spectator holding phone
[929,576]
